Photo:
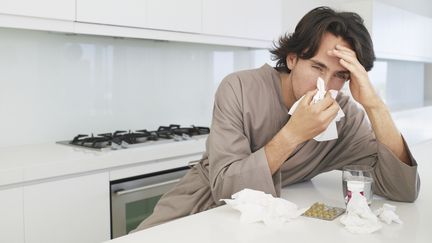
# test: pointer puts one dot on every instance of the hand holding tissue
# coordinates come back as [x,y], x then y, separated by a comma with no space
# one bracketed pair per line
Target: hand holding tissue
[331,132]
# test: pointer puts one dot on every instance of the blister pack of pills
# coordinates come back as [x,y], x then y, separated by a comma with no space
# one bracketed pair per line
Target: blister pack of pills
[322,211]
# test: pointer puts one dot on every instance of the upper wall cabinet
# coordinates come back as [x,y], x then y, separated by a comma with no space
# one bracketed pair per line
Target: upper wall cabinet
[246,23]
[173,15]
[183,15]
[396,33]
[255,19]
[52,9]
[400,34]
[113,12]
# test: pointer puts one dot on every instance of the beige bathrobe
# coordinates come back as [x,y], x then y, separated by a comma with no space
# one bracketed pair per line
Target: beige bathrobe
[248,111]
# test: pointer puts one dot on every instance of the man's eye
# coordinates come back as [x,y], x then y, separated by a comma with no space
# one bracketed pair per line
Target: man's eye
[318,68]
[343,76]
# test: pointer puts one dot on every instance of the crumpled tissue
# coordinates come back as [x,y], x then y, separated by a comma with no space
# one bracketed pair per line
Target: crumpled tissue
[256,206]
[359,218]
[331,132]
[388,214]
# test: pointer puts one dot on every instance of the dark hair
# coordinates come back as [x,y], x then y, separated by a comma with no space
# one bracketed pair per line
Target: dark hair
[305,40]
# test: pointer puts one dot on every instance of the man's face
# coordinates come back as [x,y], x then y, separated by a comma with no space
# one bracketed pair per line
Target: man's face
[305,72]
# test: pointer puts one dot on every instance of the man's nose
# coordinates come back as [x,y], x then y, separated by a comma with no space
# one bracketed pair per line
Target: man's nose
[327,78]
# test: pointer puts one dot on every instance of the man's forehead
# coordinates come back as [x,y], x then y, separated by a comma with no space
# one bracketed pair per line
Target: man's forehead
[329,41]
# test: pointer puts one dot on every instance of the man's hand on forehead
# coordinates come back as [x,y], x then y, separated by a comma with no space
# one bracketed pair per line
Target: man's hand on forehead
[360,86]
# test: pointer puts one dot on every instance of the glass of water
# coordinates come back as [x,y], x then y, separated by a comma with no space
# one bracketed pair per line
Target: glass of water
[358,173]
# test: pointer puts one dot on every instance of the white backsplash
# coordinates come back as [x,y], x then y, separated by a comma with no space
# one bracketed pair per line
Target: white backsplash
[54,86]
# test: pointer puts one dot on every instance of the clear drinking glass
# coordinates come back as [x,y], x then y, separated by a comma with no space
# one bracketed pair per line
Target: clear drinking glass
[361,173]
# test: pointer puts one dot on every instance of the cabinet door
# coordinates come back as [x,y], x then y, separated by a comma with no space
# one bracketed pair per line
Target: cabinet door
[184,15]
[53,9]
[400,34]
[254,19]
[11,216]
[69,210]
[114,12]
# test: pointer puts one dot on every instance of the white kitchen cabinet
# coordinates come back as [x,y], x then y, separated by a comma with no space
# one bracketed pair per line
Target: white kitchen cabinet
[253,23]
[68,210]
[396,33]
[250,19]
[400,34]
[184,15]
[254,19]
[11,216]
[113,12]
[52,9]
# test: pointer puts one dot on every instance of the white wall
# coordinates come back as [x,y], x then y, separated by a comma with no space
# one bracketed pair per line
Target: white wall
[405,85]
[54,86]
[422,7]
[378,77]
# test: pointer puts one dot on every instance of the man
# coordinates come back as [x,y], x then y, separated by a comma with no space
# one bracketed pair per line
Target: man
[255,144]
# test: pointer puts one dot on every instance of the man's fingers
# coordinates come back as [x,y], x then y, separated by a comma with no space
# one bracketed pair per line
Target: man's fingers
[329,114]
[344,55]
[332,110]
[346,49]
[307,99]
[324,103]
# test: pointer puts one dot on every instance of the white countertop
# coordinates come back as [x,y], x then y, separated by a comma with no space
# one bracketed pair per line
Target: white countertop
[222,224]
[414,124]
[35,162]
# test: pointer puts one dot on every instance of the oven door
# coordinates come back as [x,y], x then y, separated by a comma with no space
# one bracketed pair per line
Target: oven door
[133,199]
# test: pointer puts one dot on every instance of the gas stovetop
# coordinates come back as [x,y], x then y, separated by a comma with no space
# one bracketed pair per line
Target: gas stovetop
[129,139]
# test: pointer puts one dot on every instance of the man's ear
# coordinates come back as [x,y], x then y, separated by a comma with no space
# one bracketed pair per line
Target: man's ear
[291,60]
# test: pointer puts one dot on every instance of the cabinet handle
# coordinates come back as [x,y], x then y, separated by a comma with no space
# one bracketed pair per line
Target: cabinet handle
[122,192]
[193,163]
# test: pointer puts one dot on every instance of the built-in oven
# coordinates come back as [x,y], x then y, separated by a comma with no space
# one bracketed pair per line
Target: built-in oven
[133,199]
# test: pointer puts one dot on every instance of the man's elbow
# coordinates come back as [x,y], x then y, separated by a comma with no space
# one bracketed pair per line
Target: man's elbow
[410,194]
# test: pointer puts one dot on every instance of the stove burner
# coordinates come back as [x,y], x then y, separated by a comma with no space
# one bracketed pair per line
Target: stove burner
[100,141]
[124,139]
[191,131]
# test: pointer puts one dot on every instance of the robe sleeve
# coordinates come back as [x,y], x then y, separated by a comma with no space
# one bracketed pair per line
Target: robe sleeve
[393,178]
[232,164]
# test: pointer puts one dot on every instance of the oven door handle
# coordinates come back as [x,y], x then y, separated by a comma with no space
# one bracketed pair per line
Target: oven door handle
[193,163]
[122,192]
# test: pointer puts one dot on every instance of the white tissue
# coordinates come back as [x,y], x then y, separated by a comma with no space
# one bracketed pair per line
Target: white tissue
[256,206]
[359,218]
[331,132]
[321,91]
[388,214]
